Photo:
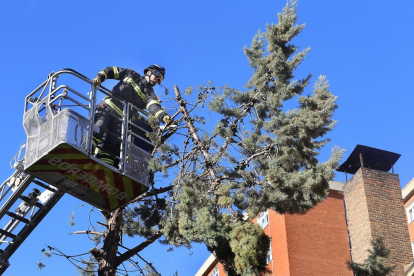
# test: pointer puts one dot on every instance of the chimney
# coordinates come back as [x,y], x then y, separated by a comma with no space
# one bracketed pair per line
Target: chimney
[374,206]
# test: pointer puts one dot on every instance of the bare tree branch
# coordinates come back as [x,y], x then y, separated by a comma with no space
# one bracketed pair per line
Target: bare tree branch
[123,257]
[87,232]
[193,131]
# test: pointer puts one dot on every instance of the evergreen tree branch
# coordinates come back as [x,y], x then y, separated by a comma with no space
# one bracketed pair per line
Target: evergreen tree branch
[375,264]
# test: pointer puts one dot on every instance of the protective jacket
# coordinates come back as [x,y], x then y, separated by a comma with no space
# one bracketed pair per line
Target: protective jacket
[133,88]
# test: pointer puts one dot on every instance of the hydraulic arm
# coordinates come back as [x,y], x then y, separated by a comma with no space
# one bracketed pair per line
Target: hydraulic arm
[22,190]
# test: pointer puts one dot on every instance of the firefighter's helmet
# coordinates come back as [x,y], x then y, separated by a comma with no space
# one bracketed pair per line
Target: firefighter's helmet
[156,70]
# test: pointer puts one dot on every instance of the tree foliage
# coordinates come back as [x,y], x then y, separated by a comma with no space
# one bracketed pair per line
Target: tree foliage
[218,176]
[375,264]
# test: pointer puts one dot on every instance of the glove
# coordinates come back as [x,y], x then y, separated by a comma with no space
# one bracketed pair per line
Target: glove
[167,120]
[96,81]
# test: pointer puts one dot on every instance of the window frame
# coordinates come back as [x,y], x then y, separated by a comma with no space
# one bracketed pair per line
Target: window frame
[261,217]
[215,272]
[269,253]
[410,212]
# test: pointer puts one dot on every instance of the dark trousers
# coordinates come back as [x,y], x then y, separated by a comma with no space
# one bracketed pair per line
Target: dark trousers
[108,138]
[136,140]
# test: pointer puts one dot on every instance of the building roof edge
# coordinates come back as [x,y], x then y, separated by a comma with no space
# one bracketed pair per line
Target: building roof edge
[336,185]
[207,266]
[408,191]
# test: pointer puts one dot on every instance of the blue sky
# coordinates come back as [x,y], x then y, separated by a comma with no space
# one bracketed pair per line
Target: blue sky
[363,47]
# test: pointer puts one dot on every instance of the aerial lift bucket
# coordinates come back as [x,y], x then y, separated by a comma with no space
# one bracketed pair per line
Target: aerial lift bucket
[59,146]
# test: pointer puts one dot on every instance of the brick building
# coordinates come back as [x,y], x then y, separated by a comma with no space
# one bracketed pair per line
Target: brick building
[342,227]
[408,199]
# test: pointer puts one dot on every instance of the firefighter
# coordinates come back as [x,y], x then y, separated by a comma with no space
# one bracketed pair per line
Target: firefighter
[133,88]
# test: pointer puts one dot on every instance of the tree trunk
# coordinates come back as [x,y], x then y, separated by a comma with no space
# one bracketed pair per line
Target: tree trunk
[106,256]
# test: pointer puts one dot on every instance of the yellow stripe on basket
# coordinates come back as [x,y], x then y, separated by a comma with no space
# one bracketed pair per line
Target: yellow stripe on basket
[113,201]
[128,188]
[144,188]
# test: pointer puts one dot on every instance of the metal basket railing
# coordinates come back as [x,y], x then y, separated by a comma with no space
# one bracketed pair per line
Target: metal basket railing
[56,113]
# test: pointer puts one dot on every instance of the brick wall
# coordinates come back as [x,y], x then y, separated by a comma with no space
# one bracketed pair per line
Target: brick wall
[358,217]
[318,241]
[312,244]
[375,207]
[277,232]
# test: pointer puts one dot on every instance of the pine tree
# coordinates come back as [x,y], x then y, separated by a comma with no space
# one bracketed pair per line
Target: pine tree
[258,156]
[375,264]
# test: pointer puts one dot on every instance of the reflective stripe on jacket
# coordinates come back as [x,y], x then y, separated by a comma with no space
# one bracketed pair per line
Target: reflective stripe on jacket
[133,88]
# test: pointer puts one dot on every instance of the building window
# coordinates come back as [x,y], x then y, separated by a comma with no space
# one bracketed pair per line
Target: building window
[410,212]
[412,247]
[263,219]
[215,272]
[269,255]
